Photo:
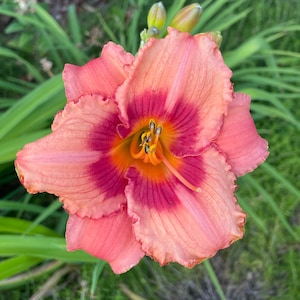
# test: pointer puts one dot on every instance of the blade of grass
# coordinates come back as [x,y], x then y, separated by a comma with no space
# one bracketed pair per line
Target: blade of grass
[25,200]
[259,94]
[58,33]
[133,30]
[53,281]
[107,29]
[41,117]
[271,33]
[266,110]
[52,52]
[286,53]
[34,72]
[13,87]
[269,71]
[27,104]
[14,225]
[74,25]
[247,49]
[96,275]
[275,83]
[48,211]
[224,18]
[24,19]
[24,278]
[41,246]
[12,266]
[284,181]
[270,200]
[213,277]
[210,8]
[223,24]
[251,213]
[9,205]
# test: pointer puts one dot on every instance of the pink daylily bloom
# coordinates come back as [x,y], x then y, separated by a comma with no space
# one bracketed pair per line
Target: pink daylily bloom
[146,152]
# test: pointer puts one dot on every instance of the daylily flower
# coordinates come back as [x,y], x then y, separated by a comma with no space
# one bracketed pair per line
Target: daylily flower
[145,154]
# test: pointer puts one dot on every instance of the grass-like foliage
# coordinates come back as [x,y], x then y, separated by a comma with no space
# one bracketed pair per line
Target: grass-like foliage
[261,46]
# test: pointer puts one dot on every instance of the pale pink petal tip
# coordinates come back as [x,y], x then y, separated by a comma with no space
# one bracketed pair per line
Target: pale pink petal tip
[109,238]
[239,140]
[102,75]
[69,162]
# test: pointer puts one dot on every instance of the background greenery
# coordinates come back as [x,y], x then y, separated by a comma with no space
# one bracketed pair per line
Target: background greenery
[260,43]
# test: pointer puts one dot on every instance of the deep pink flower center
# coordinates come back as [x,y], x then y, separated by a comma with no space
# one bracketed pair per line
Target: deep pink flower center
[147,146]
[151,150]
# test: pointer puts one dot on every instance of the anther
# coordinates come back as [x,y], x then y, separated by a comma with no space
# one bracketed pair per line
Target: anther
[143,139]
[151,125]
[158,130]
[149,138]
[147,149]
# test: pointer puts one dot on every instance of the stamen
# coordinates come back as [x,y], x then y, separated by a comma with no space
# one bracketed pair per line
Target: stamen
[149,138]
[158,130]
[138,155]
[145,138]
[179,176]
[147,149]
[152,152]
[154,159]
[152,125]
[141,153]
[149,143]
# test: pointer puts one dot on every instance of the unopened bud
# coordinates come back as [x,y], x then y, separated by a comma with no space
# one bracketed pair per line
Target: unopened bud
[145,35]
[157,16]
[217,37]
[187,18]
[153,32]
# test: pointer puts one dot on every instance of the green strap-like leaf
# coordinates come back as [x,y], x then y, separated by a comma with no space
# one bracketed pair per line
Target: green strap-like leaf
[29,103]
[41,246]
[12,266]
[15,225]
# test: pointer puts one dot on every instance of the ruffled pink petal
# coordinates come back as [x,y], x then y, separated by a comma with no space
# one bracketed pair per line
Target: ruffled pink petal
[239,140]
[109,238]
[100,76]
[181,80]
[74,162]
[176,224]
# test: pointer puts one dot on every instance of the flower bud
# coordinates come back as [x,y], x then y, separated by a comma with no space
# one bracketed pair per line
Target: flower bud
[145,35]
[187,18]
[217,37]
[153,32]
[157,16]
[144,38]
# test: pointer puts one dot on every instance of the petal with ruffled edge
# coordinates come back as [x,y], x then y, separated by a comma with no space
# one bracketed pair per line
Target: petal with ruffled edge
[244,148]
[75,161]
[99,76]
[109,238]
[180,75]
[174,223]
